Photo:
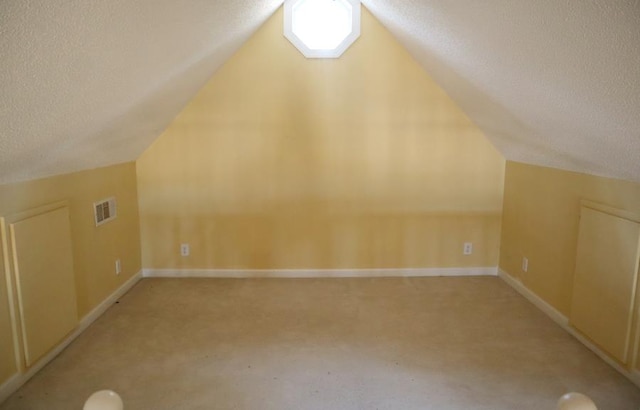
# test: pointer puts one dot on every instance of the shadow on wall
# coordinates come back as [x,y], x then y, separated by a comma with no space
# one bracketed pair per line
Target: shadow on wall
[283,162]
[297,240]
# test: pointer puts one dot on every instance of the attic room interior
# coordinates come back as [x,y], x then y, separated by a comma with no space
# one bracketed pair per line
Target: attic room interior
[436,205]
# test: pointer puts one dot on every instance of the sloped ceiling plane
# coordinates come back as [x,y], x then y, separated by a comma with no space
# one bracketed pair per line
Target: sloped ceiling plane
[89,84]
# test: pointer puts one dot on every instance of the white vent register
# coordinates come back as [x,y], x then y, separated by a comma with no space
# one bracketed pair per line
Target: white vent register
[105,210]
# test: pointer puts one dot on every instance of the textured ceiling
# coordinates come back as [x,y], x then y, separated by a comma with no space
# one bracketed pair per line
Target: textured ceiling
[551,82]
[86,84]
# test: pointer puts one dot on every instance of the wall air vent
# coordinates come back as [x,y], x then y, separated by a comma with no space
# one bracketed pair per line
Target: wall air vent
[104,210]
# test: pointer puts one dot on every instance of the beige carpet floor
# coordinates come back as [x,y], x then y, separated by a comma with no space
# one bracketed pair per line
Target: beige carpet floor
[415,343]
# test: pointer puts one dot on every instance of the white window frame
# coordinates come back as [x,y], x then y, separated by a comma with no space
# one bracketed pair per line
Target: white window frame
[332,53]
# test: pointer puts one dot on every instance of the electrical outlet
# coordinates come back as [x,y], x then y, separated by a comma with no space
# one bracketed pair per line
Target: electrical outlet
[468,248]
[525,264]
[184,249]
[118,267]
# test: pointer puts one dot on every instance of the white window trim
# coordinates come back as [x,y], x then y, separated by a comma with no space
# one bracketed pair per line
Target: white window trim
[333,53]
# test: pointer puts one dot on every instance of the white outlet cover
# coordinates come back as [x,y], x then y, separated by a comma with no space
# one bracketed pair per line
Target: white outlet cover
[525,264]
[118,267]
[184,249]
[468,248]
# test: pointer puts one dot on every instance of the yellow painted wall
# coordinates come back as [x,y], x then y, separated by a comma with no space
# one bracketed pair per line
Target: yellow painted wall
[540,221]
[95,249]
[284,162]
[7,354]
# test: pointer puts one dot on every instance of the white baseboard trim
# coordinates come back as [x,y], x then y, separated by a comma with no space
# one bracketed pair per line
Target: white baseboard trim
[550,311]
[563,321]
[16,381]
[10,386]
[108,302]
[317,273]
[632,375]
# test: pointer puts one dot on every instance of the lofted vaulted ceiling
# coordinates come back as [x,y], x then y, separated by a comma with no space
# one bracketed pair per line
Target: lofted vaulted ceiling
[87,84]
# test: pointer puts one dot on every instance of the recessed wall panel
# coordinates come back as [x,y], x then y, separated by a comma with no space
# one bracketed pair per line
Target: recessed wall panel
[605,279]
[43,267]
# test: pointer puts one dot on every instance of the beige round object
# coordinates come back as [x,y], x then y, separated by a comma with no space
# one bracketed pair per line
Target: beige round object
[576,401]
[104,400]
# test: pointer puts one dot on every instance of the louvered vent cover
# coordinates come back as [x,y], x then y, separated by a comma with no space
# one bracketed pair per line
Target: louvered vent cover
[105,210]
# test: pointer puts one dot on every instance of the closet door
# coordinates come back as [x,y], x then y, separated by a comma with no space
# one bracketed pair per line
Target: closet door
[45,286]
[605,279]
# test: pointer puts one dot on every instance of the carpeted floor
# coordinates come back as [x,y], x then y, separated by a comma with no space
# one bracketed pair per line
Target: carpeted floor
[415,343]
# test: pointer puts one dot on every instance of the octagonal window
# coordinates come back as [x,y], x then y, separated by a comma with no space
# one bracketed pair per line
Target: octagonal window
[322,28]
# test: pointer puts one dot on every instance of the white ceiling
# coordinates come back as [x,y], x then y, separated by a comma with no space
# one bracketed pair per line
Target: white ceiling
[87,84]
[550,82]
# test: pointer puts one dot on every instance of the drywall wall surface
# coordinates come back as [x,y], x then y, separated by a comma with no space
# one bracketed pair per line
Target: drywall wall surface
[284,162]
[88,84]
[540,222]
[95,249]
[547,80]
[7,352]
[551,82]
